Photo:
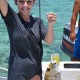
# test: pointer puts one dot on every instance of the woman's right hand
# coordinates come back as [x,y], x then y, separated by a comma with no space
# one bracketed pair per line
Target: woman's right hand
[36,77]
[72,36]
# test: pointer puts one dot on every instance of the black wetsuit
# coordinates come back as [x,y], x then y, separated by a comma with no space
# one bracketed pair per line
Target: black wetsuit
[25,46]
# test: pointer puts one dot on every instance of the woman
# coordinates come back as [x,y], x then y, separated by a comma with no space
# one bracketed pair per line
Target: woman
[25,36]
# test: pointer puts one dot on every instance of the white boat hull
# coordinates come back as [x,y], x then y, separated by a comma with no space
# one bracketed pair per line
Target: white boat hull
[66,73]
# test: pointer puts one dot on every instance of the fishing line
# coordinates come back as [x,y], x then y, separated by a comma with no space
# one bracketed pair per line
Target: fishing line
[39,9]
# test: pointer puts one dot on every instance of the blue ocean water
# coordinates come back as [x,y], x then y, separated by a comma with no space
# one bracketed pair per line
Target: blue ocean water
[63,10]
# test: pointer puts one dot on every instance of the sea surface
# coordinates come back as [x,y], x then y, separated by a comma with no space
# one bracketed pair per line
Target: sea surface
[63,10]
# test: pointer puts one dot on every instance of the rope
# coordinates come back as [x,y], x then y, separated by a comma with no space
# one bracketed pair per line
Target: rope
[39,9]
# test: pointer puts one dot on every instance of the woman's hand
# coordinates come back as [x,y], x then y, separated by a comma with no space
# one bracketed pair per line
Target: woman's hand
[36,77]
[50,33]
[51,18]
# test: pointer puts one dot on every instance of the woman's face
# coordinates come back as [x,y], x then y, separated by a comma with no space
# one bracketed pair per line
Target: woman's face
[25,6]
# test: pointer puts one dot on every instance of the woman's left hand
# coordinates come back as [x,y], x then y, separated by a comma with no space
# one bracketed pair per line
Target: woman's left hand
[36,77]
[51,18]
